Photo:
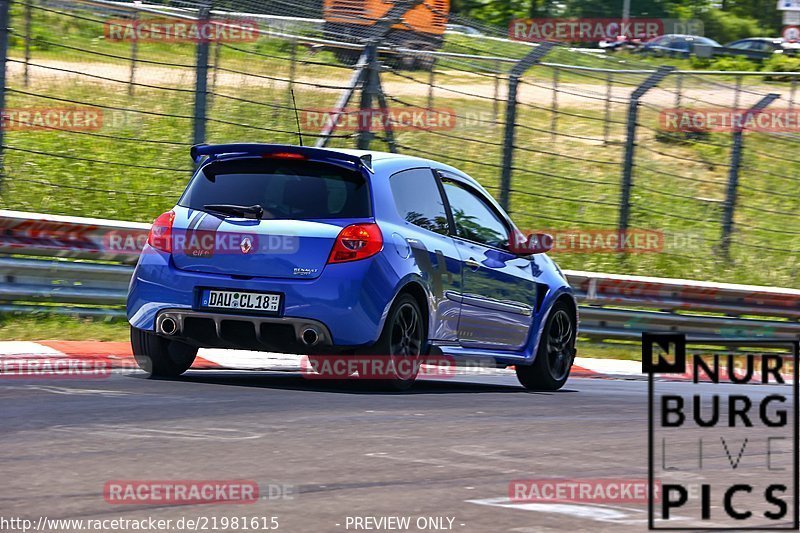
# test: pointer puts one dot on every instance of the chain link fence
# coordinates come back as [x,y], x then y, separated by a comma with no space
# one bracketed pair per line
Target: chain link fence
[571,141]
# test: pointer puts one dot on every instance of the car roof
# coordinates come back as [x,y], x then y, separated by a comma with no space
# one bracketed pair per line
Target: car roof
[392,162]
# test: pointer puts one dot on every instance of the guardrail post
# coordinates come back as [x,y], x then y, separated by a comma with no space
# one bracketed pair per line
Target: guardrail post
[532,58]
[5,20]
[201,82]
[28,17]
[630,143]
[733,176]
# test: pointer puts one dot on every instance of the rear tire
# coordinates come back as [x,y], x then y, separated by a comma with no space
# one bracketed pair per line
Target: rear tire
[160,357]
[403,340]
[550,370]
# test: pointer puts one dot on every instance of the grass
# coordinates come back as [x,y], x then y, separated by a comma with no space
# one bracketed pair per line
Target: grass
[136,166]
[567,164]
[64,328]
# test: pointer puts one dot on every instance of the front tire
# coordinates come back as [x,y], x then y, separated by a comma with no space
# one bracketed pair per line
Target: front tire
[556,353]
[160,357]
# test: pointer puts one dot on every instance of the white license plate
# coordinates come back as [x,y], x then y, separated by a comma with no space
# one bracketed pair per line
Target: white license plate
[248,301]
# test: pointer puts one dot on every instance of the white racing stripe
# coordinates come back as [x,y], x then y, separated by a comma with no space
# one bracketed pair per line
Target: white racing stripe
[616,367]
[28,349]
[247,360]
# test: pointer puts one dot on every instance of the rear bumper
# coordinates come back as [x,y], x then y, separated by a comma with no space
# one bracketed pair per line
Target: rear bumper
[205,329]
[348,300]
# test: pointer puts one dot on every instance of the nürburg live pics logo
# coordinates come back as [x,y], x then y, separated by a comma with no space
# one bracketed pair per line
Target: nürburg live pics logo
[722,433]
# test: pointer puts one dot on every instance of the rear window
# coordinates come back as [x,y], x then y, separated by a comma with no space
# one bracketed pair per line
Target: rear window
[285,189]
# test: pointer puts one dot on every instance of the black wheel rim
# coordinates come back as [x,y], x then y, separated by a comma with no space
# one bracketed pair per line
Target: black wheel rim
[559,345]
[405,341]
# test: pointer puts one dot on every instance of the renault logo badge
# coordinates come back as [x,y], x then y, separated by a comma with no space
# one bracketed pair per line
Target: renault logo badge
[246,245]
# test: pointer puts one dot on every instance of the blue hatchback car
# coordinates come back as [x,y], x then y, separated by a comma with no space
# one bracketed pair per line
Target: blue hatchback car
[320,251]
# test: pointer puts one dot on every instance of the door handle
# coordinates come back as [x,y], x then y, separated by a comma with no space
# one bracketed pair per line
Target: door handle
[471,263]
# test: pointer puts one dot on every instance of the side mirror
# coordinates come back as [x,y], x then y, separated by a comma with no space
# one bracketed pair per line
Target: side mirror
[535,243]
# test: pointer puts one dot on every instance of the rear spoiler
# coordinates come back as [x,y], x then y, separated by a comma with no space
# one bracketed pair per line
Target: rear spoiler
[199,151]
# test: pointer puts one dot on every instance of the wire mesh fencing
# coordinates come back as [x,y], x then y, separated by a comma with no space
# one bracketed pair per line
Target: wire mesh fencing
[590,148]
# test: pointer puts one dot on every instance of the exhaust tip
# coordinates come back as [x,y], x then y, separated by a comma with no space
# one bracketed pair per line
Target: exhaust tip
[169,326]
[310,336]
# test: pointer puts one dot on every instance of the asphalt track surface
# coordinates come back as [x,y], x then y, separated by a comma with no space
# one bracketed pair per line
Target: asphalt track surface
[448,448]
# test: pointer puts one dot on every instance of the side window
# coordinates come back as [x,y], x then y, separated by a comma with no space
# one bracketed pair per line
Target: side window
[418,199]
[475,220]
[667,42]
[682,44]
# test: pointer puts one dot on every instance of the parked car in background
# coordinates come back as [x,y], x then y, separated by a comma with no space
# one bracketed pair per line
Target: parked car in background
[762,47]
[675,45]
[622,42]
[462,29]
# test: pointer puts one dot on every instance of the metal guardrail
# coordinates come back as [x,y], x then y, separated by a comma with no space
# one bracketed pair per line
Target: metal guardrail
[89,267]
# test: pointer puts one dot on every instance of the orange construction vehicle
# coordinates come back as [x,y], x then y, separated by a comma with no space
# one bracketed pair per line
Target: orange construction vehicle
[421,28]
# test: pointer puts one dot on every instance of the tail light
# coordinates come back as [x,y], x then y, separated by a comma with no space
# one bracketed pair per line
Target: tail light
[160,236]
[355,242]
[284,155]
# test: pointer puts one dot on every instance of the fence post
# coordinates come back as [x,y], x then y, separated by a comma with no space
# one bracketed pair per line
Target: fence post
[292,67]
[134,53]
[28,17]
[533,57]
[5,20]
[201,82]
[607,121]
[431,82]
[214,70]
[368,93]
[793,94]
[678,90]
[733,175]
[737,94]
[630,143]
[554,115]
[496,99]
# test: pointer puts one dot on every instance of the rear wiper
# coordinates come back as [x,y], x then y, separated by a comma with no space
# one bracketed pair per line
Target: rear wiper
[244,211]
